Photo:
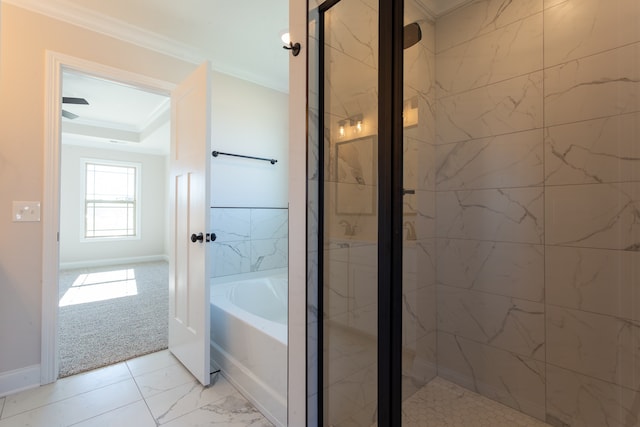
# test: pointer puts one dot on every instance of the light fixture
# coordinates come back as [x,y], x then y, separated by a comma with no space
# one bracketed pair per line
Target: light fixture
[357,122]
[341,130]
[286,39]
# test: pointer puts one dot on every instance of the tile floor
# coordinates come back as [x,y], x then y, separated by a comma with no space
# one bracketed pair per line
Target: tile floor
[444,404]
[147,391]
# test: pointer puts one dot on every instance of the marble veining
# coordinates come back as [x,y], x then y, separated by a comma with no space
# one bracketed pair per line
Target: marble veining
[594,280]
[599,346]
[594,151]
[509,269]
[508,52]
[505,107]
[503,322]
[597,86]
[509,215]
[594,215]
[512,160]
[578,28]
[481,17]
[579,400]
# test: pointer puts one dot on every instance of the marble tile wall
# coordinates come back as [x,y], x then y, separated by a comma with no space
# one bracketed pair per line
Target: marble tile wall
[248,239]
[490,211]
[537,206]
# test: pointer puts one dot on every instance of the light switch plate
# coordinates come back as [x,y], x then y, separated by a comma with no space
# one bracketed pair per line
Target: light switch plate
[26,211]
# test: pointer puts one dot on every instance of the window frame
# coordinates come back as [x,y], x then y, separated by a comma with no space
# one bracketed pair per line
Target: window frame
[83,199]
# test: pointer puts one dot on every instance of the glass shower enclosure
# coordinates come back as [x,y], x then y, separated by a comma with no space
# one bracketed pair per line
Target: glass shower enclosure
[474,213]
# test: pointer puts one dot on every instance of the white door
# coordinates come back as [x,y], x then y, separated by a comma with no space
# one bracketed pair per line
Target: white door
[189,195]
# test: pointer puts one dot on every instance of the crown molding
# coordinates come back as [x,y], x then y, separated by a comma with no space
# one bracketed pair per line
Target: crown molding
[71,13]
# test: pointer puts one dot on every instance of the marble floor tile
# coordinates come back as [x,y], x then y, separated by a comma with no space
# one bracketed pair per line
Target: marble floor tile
[64,389]
[233,411]
[156,382]
[151,362]
[186,398]
[137,414]
[78,408]
[155,395]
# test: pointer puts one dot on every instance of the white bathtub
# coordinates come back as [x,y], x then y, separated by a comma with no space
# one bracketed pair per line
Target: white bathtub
[249,337]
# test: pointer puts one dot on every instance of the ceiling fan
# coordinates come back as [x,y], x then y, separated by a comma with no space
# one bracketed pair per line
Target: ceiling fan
[70,100]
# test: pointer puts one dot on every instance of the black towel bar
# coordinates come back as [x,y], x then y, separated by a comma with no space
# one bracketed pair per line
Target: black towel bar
[217,153]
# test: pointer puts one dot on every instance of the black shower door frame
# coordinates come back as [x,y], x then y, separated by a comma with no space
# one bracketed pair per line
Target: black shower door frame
[390,194]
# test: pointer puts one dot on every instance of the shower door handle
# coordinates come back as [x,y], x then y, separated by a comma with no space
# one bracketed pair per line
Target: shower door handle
[197,237]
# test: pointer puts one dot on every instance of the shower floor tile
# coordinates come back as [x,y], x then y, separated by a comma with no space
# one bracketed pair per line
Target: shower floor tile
[444,404]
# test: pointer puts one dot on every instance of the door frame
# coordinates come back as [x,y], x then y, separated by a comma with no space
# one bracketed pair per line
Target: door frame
[55,64]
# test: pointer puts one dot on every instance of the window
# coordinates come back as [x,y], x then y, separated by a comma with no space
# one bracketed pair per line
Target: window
[110,199]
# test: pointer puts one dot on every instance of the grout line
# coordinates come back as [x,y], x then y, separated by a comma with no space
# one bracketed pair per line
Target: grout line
[144,399]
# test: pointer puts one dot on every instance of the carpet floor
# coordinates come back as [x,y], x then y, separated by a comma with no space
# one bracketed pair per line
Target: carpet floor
[111,314]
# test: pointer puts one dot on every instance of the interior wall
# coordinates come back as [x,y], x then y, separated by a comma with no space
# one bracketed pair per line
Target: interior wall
[537,200]
[251,120]
[74,250]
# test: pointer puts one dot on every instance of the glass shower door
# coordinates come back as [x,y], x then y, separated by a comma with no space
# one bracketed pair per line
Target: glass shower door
[349,220]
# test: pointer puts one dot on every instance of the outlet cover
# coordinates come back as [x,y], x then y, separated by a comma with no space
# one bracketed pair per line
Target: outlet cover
[26,211]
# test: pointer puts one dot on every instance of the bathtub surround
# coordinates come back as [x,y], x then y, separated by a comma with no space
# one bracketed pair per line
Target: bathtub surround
[248,240]
[249,255]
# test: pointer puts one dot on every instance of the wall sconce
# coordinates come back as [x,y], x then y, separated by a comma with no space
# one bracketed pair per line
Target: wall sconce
[341,131]
[356,121]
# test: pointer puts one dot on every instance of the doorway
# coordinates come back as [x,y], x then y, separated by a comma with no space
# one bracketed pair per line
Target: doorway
[89,146]
[113,279]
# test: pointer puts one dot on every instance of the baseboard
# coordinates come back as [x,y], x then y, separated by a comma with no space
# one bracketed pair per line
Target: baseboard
[19,380]
[112,261]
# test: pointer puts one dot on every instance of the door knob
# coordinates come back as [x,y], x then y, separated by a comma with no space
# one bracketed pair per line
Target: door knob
[211,237]
[195,238]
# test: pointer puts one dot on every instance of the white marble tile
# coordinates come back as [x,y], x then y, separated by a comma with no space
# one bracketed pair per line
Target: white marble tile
[230,258]
[508,215]
[510,51]
[578,400]
[64,389]
[552,3]
[601,85]
[418,314]
[593,215]
[351,396]
[516,381]
[511,160]
[136,414]
[599,346]
[336,291]
[418,173]
[510,269]
[510,106]
[269,223]
[480,17]
[593,151]
[578,28]
[268,254]
[78,408]
[158,381]
[346,352]
[425,218]
[506,323]
[352,28]
[595,280]
[151,362]
[186,398]
[232,411]
[231,224]
[2,399]
[426,259]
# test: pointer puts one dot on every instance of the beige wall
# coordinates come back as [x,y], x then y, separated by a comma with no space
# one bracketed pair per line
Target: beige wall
[24,38]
